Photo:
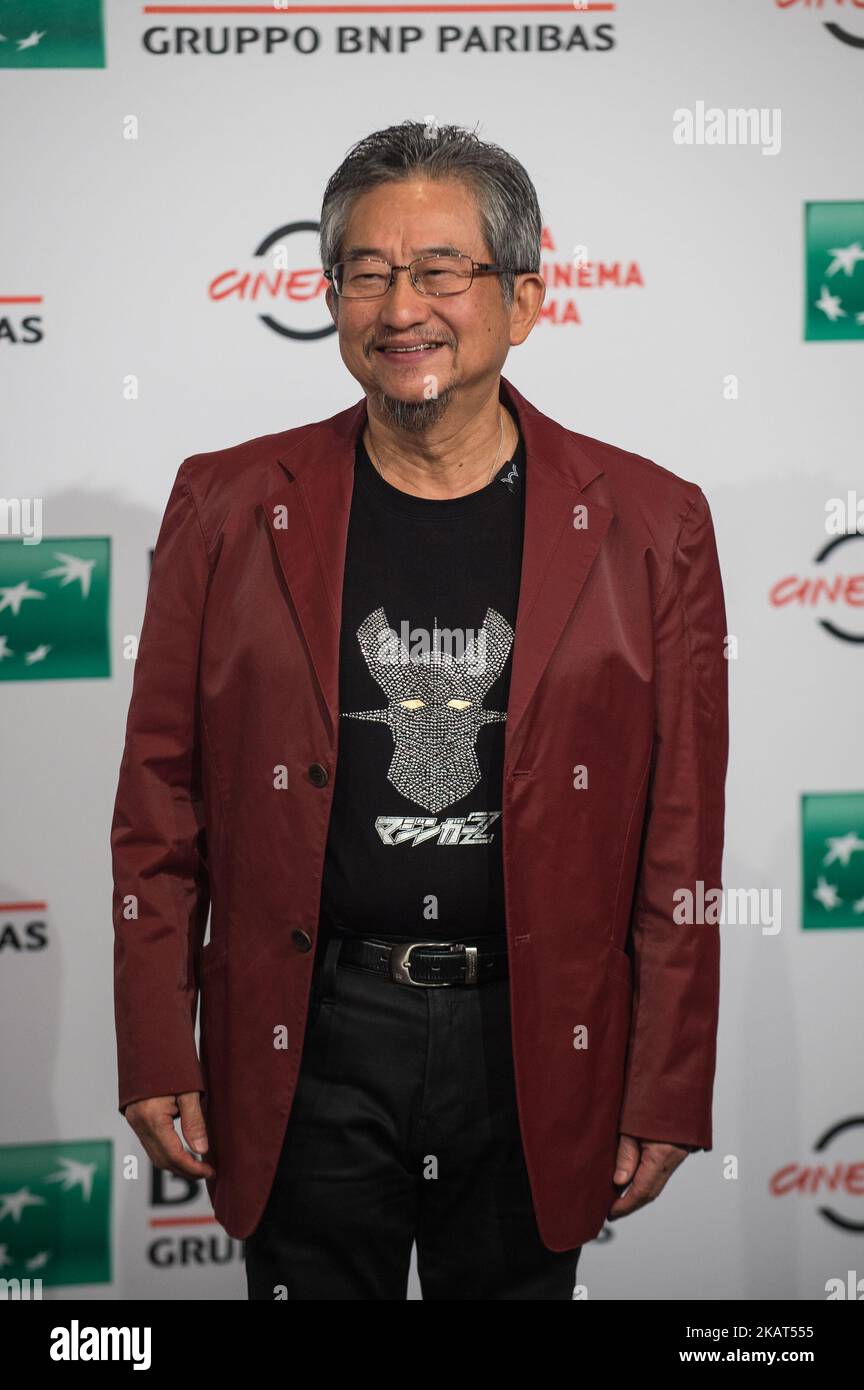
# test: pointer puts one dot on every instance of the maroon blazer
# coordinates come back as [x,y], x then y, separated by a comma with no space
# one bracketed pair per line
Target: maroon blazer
[227,776]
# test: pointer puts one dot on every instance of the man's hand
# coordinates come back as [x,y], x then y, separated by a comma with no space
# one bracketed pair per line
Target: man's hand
[153,1121]
[647,1165]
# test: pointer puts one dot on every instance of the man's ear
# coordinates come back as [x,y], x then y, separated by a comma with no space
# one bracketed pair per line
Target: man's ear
[330,298]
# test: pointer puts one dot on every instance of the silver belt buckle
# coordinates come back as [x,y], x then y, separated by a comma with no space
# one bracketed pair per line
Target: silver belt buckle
[400,963]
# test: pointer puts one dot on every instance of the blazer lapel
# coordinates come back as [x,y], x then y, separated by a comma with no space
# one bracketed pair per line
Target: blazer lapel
[307,516]
[559,548]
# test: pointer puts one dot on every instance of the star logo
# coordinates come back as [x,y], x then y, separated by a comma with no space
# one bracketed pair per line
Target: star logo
[834,251]
[833,860]
[54,609]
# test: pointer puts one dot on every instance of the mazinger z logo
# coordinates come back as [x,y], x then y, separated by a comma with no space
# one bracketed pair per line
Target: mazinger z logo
[434,705]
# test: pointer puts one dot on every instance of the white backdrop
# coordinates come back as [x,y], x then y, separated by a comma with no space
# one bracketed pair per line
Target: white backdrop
[139,364]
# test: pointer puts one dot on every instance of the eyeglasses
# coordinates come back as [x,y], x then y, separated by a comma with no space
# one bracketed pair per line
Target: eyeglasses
[367,277]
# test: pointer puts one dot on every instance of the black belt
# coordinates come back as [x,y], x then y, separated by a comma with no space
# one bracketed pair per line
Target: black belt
[428,963]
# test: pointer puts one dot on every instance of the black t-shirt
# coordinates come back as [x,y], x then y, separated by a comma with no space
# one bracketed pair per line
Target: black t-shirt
[428,617]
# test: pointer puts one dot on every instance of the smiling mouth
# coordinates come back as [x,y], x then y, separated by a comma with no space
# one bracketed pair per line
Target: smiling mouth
[416,350]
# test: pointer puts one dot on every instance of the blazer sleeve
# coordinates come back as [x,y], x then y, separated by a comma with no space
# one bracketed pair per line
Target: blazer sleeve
[161,895]
[672,1048]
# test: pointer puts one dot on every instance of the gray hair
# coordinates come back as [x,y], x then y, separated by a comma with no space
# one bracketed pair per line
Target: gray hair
[505,196]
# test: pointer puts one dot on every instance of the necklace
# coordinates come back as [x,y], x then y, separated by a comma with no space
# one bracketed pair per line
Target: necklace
[494,465]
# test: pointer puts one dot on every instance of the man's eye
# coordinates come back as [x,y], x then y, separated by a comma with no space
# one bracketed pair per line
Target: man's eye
[459,704]
[412,704]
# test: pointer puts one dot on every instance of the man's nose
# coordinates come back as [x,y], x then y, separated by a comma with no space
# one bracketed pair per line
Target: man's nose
[403,303]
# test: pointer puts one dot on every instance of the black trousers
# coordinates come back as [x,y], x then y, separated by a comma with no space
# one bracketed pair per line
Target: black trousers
[404,1127]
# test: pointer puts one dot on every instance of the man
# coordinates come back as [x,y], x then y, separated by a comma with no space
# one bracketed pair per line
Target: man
[435,670]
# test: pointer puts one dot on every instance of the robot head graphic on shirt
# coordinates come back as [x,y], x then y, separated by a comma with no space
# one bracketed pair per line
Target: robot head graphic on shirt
[434,705]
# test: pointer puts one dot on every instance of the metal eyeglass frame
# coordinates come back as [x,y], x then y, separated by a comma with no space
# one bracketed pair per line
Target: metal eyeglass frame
[486,266]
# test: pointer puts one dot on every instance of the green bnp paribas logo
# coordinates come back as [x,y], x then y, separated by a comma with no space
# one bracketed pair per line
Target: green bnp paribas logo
[834,251]
[832,858]
[51,34]
[55,1213]
[54,609]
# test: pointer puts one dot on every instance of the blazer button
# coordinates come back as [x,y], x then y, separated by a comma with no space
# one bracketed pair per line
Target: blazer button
[301,940]
[318,775]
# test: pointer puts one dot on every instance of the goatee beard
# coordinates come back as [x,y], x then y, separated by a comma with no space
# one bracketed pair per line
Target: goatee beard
[414,416]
